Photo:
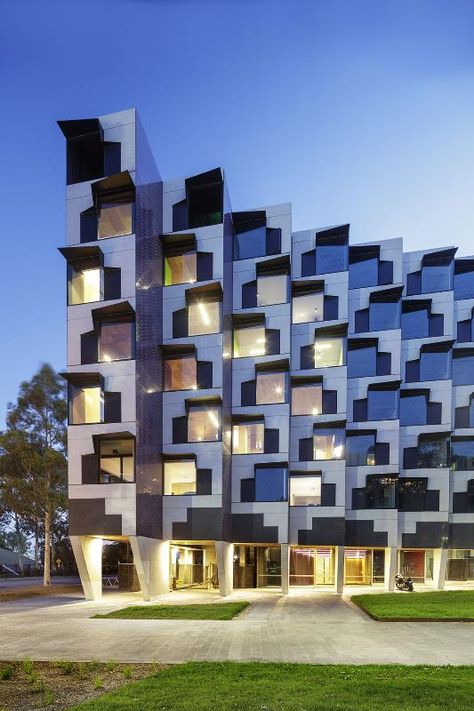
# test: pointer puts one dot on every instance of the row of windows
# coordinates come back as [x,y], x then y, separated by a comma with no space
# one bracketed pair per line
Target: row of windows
[116,458]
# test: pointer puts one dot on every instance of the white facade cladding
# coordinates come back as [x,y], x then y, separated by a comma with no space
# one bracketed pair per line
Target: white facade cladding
[253,407]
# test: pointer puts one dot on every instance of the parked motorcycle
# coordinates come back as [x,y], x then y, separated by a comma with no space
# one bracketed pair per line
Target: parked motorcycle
[403,582]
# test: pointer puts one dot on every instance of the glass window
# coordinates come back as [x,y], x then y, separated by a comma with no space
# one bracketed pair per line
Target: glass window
[204,423]
[117,460]
[328,443]
[115,219]
[249,341]
[435,278]
[360,450]
[463,370]
[248,438]
[180,477]
[434,365]
[85,405]
[271,484]
[272,289]
[180,373]
[180,268]
[307,399]
[462,454]
[384,315]
[271,388]
[413,410]
[382,404]
[381,492]
[252,243]
[117,340]
[330,258]
[328,352]
[431,453]
[308,308]
[364,273]
[464,285]
[305,490]
[84,286]
[361,362]
[415,324]
[204,317]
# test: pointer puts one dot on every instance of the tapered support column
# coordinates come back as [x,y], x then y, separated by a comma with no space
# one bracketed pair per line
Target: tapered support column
[152,562]
[339,569]
[88,554]
[285,568]
[391,568]
[225,565]
[440,561]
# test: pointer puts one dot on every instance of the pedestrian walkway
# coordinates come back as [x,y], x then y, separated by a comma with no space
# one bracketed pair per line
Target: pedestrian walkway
[301,627]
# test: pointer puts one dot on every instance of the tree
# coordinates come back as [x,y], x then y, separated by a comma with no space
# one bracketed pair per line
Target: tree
[33,471]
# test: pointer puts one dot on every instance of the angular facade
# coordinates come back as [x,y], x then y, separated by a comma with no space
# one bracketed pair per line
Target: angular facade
[251,406]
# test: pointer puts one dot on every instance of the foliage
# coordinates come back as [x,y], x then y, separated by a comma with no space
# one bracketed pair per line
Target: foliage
[440,605]
[6,672]
[33,480]
[212,611]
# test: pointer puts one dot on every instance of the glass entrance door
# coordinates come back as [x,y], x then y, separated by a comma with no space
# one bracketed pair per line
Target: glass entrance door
[358,567]
[302,566]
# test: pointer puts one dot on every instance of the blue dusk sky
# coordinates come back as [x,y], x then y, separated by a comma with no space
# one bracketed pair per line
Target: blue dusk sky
[357,111]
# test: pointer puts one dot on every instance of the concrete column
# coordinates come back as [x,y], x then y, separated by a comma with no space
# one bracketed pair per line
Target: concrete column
[285,568]
[440,561]
[391,568]
[225,566]
[339,569]
[88,554]
[152,562]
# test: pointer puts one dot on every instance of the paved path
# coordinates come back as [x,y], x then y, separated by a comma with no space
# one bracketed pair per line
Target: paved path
[316,628]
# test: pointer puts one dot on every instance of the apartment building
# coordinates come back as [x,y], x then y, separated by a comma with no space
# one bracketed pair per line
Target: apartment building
[251,406]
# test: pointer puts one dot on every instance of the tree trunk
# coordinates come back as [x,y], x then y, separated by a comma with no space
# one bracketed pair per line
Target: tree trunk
[37,550]
[18,544]
[47,548]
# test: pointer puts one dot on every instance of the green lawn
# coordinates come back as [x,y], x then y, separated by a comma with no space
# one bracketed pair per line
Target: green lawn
[442,605]
[293,687]
[213,611]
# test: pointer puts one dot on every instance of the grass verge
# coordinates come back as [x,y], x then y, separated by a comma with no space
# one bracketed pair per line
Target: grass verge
[213,611]
[232,686]
[38,590]
[451,605]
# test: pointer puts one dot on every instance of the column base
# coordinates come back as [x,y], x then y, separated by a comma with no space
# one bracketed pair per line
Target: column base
[152,562]
[88,555]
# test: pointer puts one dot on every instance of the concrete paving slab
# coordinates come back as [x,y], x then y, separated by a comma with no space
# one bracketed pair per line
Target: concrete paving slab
[301,627]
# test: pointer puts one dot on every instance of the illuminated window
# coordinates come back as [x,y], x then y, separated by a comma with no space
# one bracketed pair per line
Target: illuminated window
[115,219]
[180,477]
[248,438]
[272,289]
[249,341]
[117,340]
[117,460]
[305,490]
[84,286]
[271,388]
[204,423]
[204,317]
[85,405]
[328,443]
[308,308]
[180,268]
[328,352]
[180,373]
[307,399]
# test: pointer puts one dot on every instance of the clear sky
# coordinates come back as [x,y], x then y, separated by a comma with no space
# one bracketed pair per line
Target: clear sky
[357,111]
